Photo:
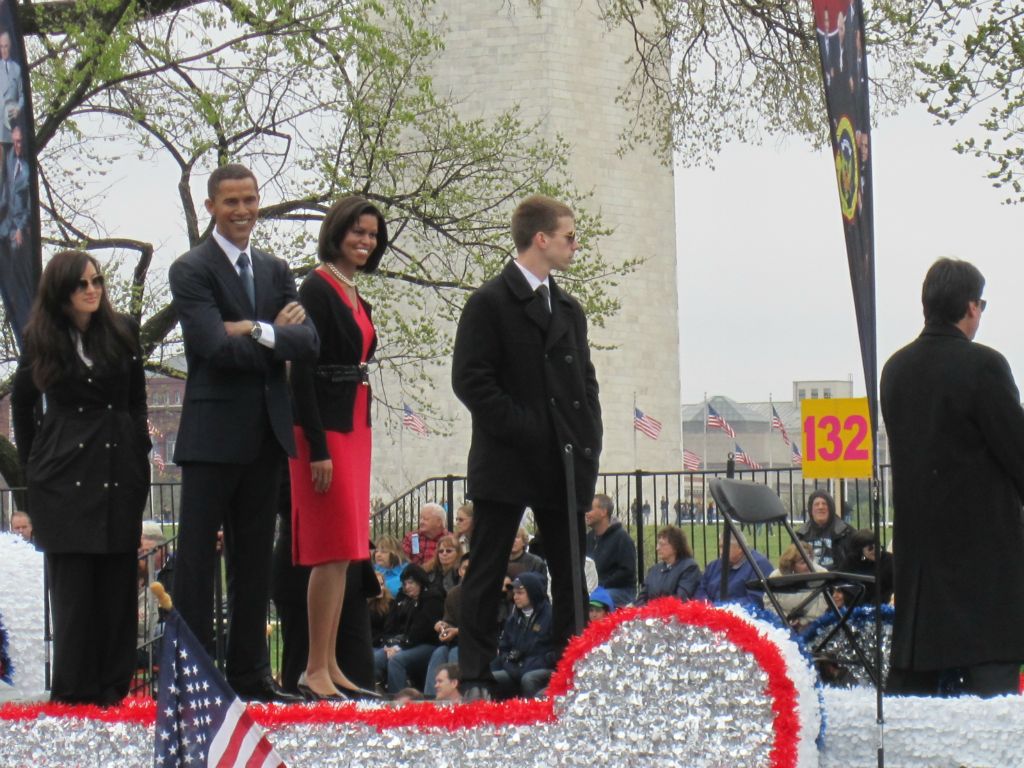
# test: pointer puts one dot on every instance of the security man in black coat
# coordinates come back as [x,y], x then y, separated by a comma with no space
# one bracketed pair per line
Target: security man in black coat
[956,438]
[522,367]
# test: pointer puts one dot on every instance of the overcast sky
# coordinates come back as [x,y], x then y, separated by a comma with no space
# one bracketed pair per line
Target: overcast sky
[764,288]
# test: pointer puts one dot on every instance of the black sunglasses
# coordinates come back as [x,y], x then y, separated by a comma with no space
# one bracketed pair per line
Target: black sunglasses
[95,282]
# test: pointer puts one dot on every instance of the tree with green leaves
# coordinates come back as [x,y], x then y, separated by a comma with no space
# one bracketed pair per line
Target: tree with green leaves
[320,98]
[705,72]
[976,68]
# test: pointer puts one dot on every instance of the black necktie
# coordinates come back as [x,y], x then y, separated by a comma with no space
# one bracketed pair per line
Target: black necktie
[245,272]
[546,295]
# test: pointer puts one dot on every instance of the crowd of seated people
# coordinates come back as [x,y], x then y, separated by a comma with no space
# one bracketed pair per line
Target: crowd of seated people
[416,628]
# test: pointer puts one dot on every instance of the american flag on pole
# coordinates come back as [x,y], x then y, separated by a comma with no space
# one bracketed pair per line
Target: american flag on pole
[715,421]
[798,460]
[691,460]
[646,424]
[153,431]
[158,461]
[199,719]
[412,420]
[777,424]
[743,458]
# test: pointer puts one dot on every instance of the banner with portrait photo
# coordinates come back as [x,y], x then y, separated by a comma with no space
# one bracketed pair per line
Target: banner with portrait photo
[840,32]
[20,248]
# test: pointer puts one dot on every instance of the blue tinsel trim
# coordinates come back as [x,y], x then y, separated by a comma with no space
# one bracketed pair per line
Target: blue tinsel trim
[861,615]
[6,667]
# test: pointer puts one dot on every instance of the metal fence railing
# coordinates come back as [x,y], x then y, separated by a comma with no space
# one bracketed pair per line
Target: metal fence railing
[644,501]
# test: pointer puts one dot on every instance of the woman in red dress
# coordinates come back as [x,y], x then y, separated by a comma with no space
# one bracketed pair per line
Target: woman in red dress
[331,474]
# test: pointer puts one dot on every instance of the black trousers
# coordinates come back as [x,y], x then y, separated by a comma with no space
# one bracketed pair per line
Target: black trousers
[495,525]
[243,499]
[94,602]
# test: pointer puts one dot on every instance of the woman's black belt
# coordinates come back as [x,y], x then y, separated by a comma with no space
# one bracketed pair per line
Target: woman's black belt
[339,374]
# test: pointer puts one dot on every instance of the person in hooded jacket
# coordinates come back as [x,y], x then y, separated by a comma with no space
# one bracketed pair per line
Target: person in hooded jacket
[526,651]
[412,637]
[827,535]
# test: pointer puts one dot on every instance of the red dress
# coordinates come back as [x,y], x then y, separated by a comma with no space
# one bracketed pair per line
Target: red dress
[332,526]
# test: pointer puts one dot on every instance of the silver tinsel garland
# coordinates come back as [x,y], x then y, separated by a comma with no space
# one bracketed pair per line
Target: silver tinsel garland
[657,693]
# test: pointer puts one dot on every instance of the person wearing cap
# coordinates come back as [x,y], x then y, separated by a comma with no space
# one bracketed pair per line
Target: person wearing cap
[827,535]
[526,651]
[601,603]
[412,635]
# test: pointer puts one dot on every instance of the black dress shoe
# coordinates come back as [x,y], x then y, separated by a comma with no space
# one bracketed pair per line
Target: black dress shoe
[359,694]
[267,690]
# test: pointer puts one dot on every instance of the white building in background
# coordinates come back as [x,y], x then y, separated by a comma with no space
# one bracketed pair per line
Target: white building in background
[752,423]
[822,389]
[562,66]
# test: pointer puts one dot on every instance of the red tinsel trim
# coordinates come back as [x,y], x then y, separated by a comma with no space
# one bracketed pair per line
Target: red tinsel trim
[138,711]
[425,715]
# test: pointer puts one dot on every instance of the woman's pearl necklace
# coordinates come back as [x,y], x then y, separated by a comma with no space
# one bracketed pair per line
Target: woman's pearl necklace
[345,280]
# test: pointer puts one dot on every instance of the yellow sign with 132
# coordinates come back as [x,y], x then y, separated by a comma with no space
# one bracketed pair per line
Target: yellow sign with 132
[836,438]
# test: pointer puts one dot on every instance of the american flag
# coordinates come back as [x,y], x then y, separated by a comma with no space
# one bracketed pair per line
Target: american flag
[412,420]
[798,460]
[777,424]
[691,460]
[646,424]
[715,421]
[158,461]
[153,431]
[743,458]
[200,720]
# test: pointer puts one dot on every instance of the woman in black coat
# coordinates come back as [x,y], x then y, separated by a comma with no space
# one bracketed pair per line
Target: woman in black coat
[79,409]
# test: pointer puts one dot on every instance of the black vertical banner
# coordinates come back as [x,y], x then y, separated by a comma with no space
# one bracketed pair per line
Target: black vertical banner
[840,32]
[20,247]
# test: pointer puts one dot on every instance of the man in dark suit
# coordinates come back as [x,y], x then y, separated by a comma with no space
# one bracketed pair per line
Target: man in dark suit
[240,322]
[522,367]
[17,281]
[956,438]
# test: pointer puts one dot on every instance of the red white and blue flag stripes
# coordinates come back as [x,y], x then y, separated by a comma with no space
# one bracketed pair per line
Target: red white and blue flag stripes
[716,421]
[646,424]
[742,458]
[199,719]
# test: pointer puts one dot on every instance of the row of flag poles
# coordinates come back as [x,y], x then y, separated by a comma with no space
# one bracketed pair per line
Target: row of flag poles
[714,420]
[650,427]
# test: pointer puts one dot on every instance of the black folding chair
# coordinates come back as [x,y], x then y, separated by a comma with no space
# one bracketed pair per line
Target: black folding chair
[745,503]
